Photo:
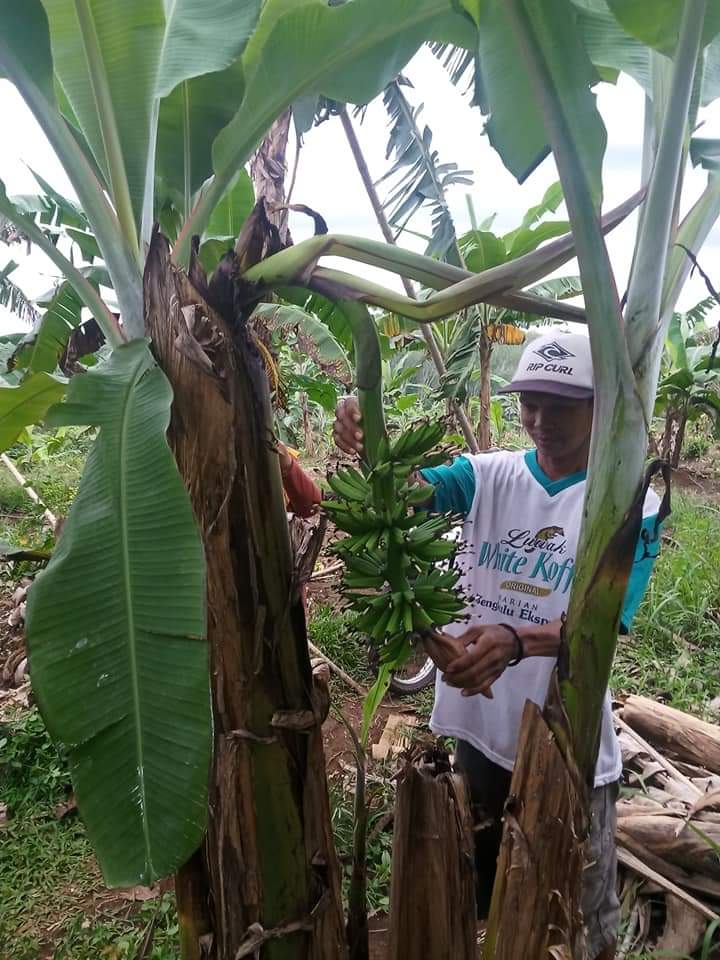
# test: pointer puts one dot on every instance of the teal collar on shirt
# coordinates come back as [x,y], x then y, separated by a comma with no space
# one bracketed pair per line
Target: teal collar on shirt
[551,487]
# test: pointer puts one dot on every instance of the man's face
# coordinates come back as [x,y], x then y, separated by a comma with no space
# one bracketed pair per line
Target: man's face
[558,426]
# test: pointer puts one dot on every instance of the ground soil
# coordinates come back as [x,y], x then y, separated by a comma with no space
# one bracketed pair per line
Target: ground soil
[700,477]
[339,749]
[12,643]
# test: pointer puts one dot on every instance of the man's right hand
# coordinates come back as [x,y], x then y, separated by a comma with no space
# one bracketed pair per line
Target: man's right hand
[347,430]
[442,648]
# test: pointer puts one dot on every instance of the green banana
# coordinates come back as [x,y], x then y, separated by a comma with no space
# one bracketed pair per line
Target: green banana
[360,581]
[433,551]
[378,631]
[416,441]
[363,565]
[419,493]
[350,491]
[421,619]
[390,580]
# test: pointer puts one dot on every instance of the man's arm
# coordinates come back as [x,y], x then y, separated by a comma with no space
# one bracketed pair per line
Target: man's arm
[489,649]
[646,551]
[302,492]
[451,487]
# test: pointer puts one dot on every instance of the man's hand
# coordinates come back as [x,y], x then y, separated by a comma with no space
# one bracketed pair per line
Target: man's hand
[347,431]
[442,648]
[488,650]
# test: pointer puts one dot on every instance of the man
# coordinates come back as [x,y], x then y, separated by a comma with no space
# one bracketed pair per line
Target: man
[523,512]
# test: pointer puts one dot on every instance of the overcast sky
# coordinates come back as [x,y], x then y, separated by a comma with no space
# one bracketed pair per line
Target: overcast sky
[328,180]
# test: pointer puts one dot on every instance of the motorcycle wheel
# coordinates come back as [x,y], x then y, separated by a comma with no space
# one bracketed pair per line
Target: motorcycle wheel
[417,674]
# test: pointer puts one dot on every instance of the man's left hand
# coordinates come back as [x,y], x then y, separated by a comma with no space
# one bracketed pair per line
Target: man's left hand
[489,649]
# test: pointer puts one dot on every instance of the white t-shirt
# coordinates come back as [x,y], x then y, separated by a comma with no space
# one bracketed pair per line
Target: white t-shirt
[521,532]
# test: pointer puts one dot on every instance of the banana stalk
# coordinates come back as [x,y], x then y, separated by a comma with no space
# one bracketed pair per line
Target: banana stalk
[457,288]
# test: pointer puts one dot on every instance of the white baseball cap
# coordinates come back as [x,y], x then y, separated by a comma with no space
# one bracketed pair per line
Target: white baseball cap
[557,363]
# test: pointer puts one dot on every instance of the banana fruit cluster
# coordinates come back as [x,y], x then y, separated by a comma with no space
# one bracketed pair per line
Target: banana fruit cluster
[399,576]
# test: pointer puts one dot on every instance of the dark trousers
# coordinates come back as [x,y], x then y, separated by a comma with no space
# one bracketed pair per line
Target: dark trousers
[489,787]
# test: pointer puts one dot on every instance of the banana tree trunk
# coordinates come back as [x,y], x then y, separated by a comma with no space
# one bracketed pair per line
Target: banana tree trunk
[679,439]
[268,869]
[668,433]
[542,848]
[484,438]
[268,168]
[432,897]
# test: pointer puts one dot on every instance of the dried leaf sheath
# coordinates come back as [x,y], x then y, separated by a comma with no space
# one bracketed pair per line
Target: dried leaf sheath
[269,831]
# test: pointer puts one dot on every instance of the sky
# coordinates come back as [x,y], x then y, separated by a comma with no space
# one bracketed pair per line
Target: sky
[327,179]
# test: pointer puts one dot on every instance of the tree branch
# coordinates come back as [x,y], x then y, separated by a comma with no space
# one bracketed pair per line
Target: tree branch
[427,334]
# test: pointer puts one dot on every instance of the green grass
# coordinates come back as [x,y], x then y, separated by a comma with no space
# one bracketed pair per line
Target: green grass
[329,630]
[674,648]
[48,876]
[49,882]
[52,464]
[379,848]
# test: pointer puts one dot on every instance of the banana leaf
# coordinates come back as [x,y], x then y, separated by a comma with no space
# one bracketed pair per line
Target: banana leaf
[116,630]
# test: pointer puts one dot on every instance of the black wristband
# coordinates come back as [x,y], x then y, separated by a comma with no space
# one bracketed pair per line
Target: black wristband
[520,655]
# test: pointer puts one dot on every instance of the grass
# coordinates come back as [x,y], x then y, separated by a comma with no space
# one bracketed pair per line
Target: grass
[379,848]
[48,877]
[329,630]
[52,464]
[674,647]
[50,887]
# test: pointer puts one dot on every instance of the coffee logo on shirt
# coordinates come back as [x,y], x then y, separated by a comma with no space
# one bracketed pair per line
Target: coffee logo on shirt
[535,556]
[547,538]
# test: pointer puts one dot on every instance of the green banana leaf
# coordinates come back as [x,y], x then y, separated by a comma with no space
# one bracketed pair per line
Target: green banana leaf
[11,552]
[26,403]
[116,628]
[481,250]
[526,239]
[40,350]
[226,221]
[346,52]
[115,96]
[552,198]
[86,241]
[13,297]
[190,119]
[516,127]
[705,151]
[658,23]
[232,211]
[328,349]
[609,46]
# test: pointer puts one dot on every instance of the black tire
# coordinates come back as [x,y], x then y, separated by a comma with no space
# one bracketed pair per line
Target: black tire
[408,682]
[414,677]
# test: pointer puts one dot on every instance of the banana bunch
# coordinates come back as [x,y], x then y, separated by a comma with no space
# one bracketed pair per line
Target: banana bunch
[399,577]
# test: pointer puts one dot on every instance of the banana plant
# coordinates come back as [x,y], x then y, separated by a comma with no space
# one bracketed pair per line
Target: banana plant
[689,385]
[470,342]
[12,296]
[153,109]
[545,100]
